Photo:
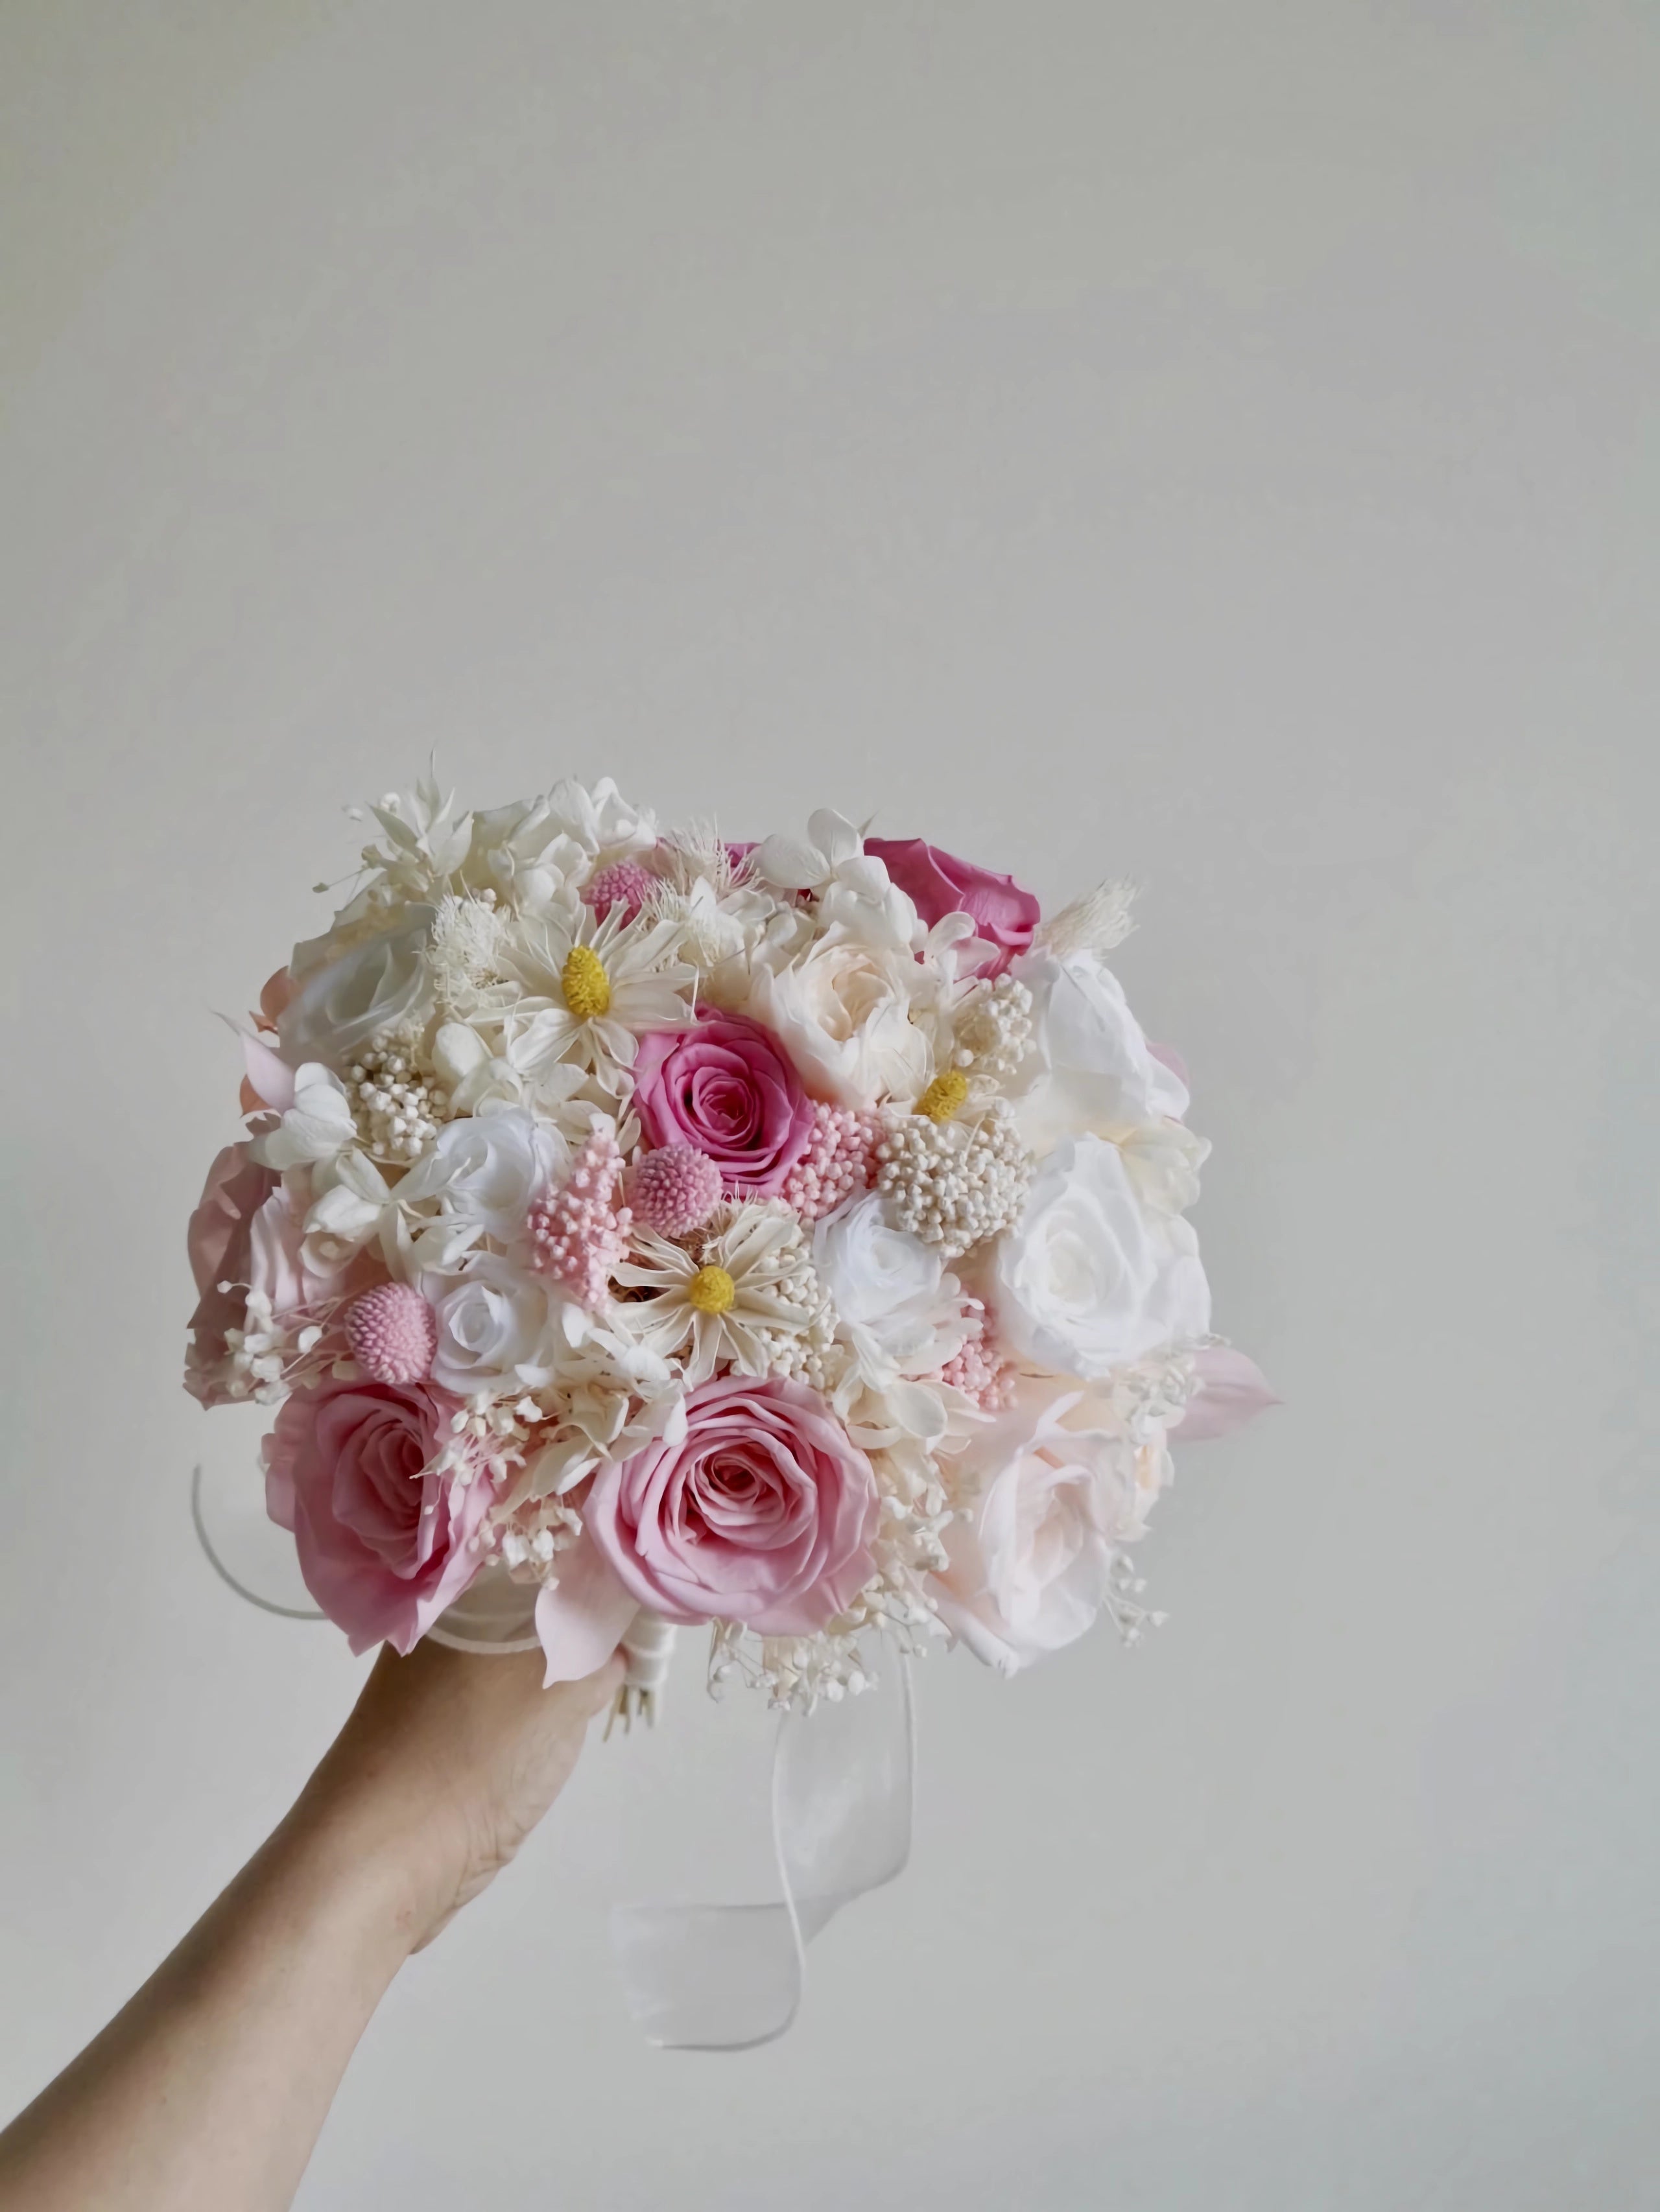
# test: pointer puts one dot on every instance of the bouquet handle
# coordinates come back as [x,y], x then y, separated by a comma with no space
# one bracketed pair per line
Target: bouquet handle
[649,1643]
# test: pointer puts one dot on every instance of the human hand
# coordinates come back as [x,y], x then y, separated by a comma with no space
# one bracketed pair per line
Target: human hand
[447,1762]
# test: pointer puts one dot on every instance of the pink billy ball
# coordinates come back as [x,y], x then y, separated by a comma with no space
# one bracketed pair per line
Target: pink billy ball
[624,884]
[393,1334]
[674,1189]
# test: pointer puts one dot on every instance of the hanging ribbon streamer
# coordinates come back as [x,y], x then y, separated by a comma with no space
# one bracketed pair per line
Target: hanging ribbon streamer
[695,1977]
[727,1977]
[247,1551]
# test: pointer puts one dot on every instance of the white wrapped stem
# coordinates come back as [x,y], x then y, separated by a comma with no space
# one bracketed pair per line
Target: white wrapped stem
[649,1640]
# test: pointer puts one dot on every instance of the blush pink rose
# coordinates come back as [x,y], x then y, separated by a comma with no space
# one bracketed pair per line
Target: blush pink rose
[1029,1565]
[763,1512]
[727,1086]
[938,884]
[384,1541]
[246,1231]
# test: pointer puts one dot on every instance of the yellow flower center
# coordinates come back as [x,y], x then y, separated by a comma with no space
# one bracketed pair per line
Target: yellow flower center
[711,1290]
[944,1096]
[585,983]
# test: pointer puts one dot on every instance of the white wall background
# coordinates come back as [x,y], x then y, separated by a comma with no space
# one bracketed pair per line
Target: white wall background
[1211,442]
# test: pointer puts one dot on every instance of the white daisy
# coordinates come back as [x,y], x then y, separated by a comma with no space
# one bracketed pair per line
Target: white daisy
[745,1295]
[592,988]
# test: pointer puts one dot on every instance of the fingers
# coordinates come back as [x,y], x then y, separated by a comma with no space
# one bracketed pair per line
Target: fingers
[595,1692]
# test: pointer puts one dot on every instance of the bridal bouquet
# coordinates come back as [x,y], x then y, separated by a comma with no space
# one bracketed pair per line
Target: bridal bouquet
[784,1238]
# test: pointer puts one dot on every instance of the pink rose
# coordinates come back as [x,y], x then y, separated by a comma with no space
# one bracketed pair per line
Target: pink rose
[727,1086]
[246,1231]
[384,1541]
[939,884]
[763,1512]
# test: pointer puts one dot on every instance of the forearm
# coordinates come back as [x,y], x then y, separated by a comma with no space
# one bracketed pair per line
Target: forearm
[205,2093]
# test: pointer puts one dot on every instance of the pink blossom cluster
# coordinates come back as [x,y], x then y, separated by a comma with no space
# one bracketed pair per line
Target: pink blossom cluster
[579,1232]
[840,1158]
[985,1379]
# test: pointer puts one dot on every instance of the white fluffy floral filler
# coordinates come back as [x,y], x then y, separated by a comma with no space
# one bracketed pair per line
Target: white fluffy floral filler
[789,1240]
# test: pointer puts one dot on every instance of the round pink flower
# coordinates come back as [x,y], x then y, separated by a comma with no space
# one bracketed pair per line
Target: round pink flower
[384,1541]
[674,1189]
[625,883]
[763,1512]
[392,1333]
[727,1086]
[939,884]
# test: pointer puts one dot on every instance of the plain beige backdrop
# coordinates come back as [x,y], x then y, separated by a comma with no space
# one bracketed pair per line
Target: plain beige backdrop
[1215,443]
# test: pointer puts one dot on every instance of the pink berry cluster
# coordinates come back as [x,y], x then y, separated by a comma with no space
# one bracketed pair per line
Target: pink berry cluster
[625,883]
[674,1189]
[392,1333]
[840,1159]
[580,1233]
[985,1379]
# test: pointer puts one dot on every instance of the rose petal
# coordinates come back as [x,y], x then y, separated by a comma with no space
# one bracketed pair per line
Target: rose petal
[582,1620]
[1232,1390]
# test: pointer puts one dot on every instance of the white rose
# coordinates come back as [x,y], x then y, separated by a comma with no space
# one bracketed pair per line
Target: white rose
[843,1010]
[896,1307]
[484,1171]
[1030,1567]
[499,1327]
[1090,1065]
[339,1007]
[1087,1280]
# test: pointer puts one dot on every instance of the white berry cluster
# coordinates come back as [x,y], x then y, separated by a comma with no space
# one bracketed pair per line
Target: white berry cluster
[993,1027]
[954,1184]
[801,1343]
[397,1109]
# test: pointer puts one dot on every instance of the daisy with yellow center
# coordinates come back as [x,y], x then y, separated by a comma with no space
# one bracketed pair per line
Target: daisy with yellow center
[590,988]
[747,1295]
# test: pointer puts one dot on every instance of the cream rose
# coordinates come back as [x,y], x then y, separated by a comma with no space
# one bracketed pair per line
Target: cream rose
[842,1011]
[1088,1279]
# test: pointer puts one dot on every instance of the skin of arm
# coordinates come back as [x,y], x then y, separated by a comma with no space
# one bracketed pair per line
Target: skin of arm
[206,2092]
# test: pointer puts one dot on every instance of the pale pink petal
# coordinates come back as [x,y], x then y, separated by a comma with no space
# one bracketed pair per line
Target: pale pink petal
[1232,1390]
[270,1079]
[582,1621]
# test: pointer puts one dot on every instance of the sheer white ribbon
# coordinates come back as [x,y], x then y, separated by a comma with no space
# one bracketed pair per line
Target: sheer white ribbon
[695,1977]
[727,1977]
